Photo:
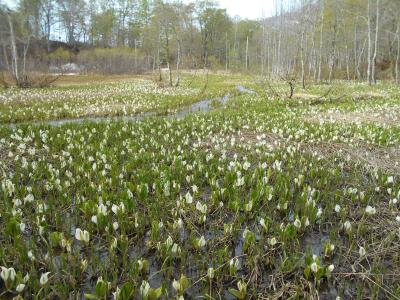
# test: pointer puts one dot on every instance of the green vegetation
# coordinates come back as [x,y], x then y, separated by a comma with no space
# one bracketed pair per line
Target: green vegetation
[114,99]
[276,198]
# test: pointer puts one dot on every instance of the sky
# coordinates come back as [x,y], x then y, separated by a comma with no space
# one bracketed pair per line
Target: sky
[9,3]
[250,9]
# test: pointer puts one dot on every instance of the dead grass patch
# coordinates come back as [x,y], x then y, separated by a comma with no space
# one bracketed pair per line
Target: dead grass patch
[96,79]
[305,96]
[391,118]
[371,156]
[366,96]
[251,137]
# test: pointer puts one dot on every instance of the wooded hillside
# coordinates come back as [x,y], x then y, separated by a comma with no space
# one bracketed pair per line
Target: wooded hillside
[306,39]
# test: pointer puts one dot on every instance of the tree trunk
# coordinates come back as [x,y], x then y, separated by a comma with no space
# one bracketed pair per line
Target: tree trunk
[169,73]
[247,53]
[321,43]
[356,64]
[369,74]
[398,54]
[303,81]
[226,52]
[136,61]
[263,50]
[279,56]
[376,42]
[26,47]
[154,63]
[167,54]
[347,62]
[159,58]
[48,31]
[334,52]
[360,56]
[178,62]
[7,65]
[311,63]
[14,53]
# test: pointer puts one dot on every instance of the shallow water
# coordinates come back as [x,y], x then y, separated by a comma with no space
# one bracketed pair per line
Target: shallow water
[243,89]
[201,106]
[97,119]
[204,106]
[315,242]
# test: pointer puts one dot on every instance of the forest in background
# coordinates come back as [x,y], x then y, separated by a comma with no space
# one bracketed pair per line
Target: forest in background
[307,40]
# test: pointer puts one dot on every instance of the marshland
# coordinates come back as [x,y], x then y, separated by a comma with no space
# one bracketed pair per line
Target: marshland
[177,152]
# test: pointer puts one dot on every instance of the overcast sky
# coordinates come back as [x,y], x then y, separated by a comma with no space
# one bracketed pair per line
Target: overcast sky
[251,9]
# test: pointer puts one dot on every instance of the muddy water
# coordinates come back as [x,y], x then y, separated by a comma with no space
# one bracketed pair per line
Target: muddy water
[203,106]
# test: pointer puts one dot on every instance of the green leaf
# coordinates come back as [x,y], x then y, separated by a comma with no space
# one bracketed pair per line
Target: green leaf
[235,293]
[101,289]
[290,231]
[126,291]
[154,294]
[184,282]
[307,272]
[55,238]
[12,228]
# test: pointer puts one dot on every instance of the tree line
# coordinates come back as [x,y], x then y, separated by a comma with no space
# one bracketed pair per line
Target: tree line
[310,40]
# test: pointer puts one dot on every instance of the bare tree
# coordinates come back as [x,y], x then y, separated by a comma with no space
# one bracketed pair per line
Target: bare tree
[398,53]
[48,8]
[373,75]
[370,59]
[321,41]
[72,13]
[14,53]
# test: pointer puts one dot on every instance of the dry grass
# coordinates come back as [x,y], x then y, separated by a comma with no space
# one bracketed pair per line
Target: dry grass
[252,138]
[71,80]
[370,156]
[305,96]
[366,96]
[389,118]
[379,233]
